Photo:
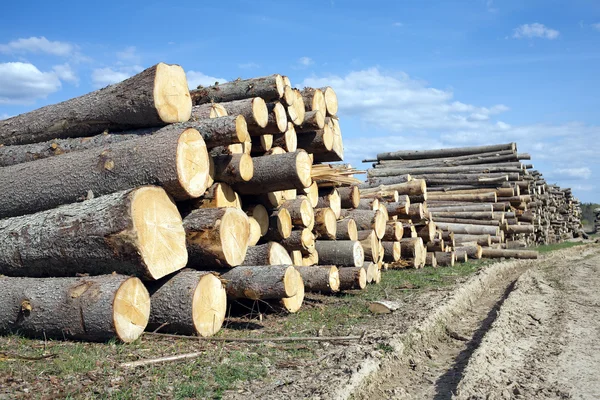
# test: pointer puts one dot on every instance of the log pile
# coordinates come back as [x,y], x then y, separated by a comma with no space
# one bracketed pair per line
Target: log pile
[145,205]
[477,202]
[597,220]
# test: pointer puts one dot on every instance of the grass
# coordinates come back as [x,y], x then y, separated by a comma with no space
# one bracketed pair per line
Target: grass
[557,246]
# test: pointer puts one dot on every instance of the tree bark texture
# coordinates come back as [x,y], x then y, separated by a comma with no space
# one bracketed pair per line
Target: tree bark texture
[322,278]
[270,88]
[352,278]
[260,282]
[340,253]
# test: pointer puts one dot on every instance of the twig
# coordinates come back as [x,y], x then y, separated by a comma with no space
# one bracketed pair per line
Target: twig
[160,327]
[150,361]
[261,340]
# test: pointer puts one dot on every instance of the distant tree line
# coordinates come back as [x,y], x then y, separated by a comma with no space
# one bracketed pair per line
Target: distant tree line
[587,214]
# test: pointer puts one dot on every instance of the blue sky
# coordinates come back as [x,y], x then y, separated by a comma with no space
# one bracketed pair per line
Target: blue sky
[409,74]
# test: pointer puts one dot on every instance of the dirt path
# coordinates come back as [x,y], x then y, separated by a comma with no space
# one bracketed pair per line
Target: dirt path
[546,341]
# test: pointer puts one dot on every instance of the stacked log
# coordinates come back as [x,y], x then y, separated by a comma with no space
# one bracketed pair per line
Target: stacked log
[597,220]
[484,196]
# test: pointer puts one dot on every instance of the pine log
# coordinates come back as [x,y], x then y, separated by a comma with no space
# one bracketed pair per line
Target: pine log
[233,168]
[218,195]
[366,220]
[469,229]
[370,244]
[208,110]
[394,231]
[414,187]
[293,304]
[371,271]
[370,204]
[287,140]
[313,100]
[301,212]
[278,172]
[430,260]
[426,231]
[188,303]
[260,215]
[312,192]
[296,256]
[346,229]
[97,308]
[482,240]
[349,196]
[276,121]
[403,208]
[325,224]
[280,225]
[154,97]
[310,259]
[134,232]
[445,259]
[470,159]
[352,278]
[296,111]
[391,196]
[436,245]
[479,198]
[390,180]
[391,251]
[255,235]
[316,142]
[302,240]
[322,278]
[221,131]
[483,215]
[270,88]
[330,198]
[472,251]
[337,150]
[331,101]
[341,253]
[216,237]
[468,221]
[411,247]
[313,121]
[415,212]
[271,253]
[444,170]
[509,253]
[464,206]
[448,152]
[176,160]
[262,145]
[516,229]
[261,282]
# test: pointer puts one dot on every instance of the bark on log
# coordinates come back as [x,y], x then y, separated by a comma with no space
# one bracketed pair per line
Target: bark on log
[346,253]
[370,204]
[352,278]
[416,187]
[95,308]
[478,198]
[313,100]
[322,278]
[445,259]
[482,240]
[472,251]
[471,159]
[233,168]
[270,88]
[516,229]
[436,245]
[189,303]
[301,212]
[276,121]
[349,196]
[325,224]
[218,195]
[403,208]
[261,282]
[330,198]
[509,253]
[209,110]
[390,180]
[449,152]
[483,215]
[437,170]
[134,232]
[287,140]
[293,304]
[366,220]
[411,247]
[346,229]
[316,142]
[469,229]
[415,212]
[278,172]
[176,160]
[280,225]
[391,251]
[271,253]
[430,260]
[154,97]
[216,237]
[337,150]
[426,231]
[313,121]
[302,240]
[436,205]
[370,244]
[394,231]
[468,221]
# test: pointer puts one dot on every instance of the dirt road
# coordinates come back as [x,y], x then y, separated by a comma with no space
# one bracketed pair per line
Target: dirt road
[533,336]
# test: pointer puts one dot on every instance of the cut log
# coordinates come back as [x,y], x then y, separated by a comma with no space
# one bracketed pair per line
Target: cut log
[176,160]
[391,251]
[310,259]
[293,304]
[280,225]
[276,121]
[296,111]
[312,192]
[390,180]
[289,97]
[469,229]
[436,245]
[415,212]
[391,196]
[402,208]
[301,212]
[426,231]
[302,240]
[330,198]
[316,142]
[260,215]
[270,88]
[154,97]
[472,251]
[370,244]
[296,256]
[271,253]
[216,237]
[261,282]
[346,253]
[352,278]
[479,197]
[394,231]
[411,247]
[278,172]
[218,195]
[371,269]
[313,121]
[325,223]
[459,208]
[322,278]
[349,196]
[482,240]
[254,110]
[262,145]
[331,101]
[468,221]
[134,232]
[370,204]
[379,172]
[449,152]
[189,303]
[516,229]
[255,235]
[314,100]
[445,259]
[221,131]
[208,110]
[366,220]
[233,168]
[509,253]
[287,140]
[97,308]
[346,229]
[416,187]
[430,260]
[483,215]
[337,148]
[409,230]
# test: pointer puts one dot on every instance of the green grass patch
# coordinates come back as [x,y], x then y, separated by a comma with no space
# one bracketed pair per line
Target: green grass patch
[558,246]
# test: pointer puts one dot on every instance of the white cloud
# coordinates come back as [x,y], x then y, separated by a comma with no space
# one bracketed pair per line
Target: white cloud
[535,30]
[66,73]
[596,26]
[305,61]
[573,173]
[37,45]
[249,65]
[196,79]
[398,24]
[129,55]
[4,116]
[490,6]
[23,83]
[107,76]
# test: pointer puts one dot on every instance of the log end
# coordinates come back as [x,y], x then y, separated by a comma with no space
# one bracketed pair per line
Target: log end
[261,215]
[260,112]
[193,163]
[278,255]
[293,304]
[284,223]
[280,84]
[307,213]
[380,223]
[304,168]
[396,251]
[355,196]
[359,255]
[291,138]
[209,305]
[290,281]
[280,117]
[246,167]
[255,231]
[266,142]
[312,192]
[217,110]
[131,310]
[352,229]
[241,129]
[331,101]
[234,234]
[171,94]
[334,279]
[362,279]
[159,231]
[288,95]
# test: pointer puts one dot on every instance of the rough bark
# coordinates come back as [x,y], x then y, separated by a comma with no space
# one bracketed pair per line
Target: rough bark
[370,244]
[313,121]
[96,308]
[346,253]
[287,140]
[337,149]
[401,208]
[366,220]
[271,253]
[437,170]
[221,131]
[390,180]
[280,225]
[394,231]
[415,187]
[449,152]
[232,168]
[176,160]
[411,247]
[472,251]
[436,245]
[189,303]
[516,229]
[216,237]
[482,240]
[415,212]
[482,158]
[261,282]
[322,278]
[349,196]
[154,97]
[276,121]
[426,231]
[301,211]
[278,172]
[302,240]
[476,198]
[134,232]
[469,229]
[352,278]
[270,88]
[316,142]
[346,229]
[370,204]
[445,259]
[325,223]
[391,251]
[509,253]
[390,196]
[254,110]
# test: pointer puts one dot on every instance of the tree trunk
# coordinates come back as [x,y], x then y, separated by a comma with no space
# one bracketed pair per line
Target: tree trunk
[330,198]
[509,253]
[459,208]
[310,259]
[346,229]
[483,215]
[325,223]
[426,231]
[313,121]
[391,251]
[278,172]
[516,229]
[287,140]
[385,195]
[271,253]
[411,248]
[390,180]
[221,131]
[437,170]
[276,121]
[301,212]
[477,198]
[439,153]
[341,253]
[296,111]
[270,88]
[280,225]
[469,229]
[394,231]
[176,160]
[134,232]
[322,278]
[415,212]
[402,208]
[349,196]
[337,149]
[468,221]
[352,278]
[254,110]
[316,142]
[366,220]
[188,303]
[482,240]
[436,245]
[261,282]
[208,110]
[262,145]
[370,244]
[216,237]
[302,240]
[96,308]
[314,100]
[472,251]
[154,97]
[415,187]
[445,259]
[469,159]
[370,204]
[232,169]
